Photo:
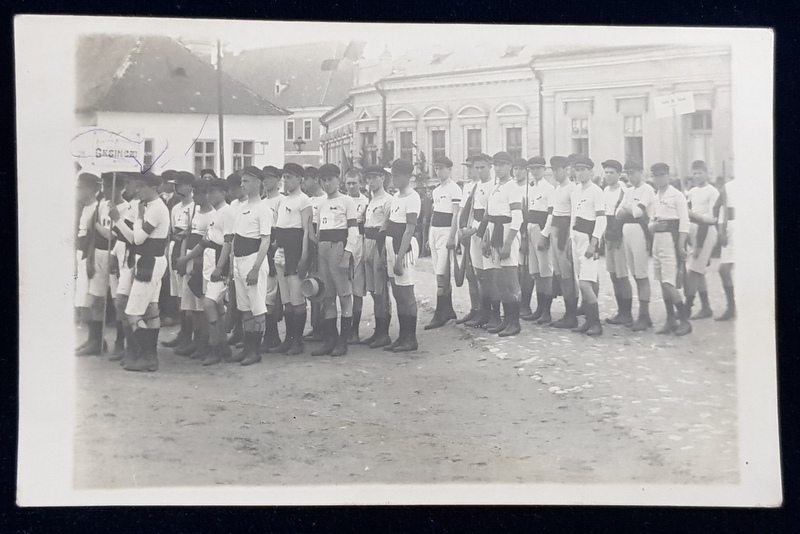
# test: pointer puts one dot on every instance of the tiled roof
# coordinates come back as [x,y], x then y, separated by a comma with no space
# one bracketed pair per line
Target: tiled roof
[299,69]
[156,74]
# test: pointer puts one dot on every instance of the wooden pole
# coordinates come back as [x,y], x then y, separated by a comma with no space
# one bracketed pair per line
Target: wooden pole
[108,264]
[220,111]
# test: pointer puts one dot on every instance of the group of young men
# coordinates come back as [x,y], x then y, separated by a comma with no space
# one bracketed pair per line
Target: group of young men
[240,254]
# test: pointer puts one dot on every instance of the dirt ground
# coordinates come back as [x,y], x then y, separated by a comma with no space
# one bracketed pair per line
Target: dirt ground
[545,406]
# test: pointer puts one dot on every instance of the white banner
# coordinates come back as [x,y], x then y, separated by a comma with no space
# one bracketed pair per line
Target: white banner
[679,103]
[106,151]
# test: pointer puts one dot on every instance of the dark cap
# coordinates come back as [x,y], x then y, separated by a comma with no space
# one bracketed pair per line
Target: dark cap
[520,162]
[443,161]
[168,176]
[183,178]
[699,164]
[329,169]
[234,180]
[559,162]
[295,169]
[612,164]
[311,171]
[87,178]
[217,183]
[502,157]
[108,177]
[253,171]
[208,171]
[659,169]
[482,157]
[582,161]
[201,185]
[633,165]
[271,170]
[571,158]
[148,178]
[402,167]
[469,161]
[537,161]
[375,169]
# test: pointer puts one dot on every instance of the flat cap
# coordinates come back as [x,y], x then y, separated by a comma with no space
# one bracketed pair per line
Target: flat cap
[482,157]
[168,176]
[659,168]
[329,169]
[109,177]
[271,170]
[520,162]
[148,178]
[253,171]
[217,183]
[208,171]
[294,168]
[183,178]
[234,180]
[537,161]
[502,157]
[200,185]
[559,162]
[402,167]
[633,165]
[442,161]
[571,158]
[699,164]
[375,169]
[87,178]
[582,161]
[469,161]
[310,171]
[612,164]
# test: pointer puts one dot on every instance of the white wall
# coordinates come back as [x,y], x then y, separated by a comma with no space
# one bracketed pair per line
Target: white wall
[174,134]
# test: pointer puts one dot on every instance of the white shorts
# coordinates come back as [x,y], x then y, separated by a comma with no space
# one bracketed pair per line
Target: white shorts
[145,293]
[494,261]
[359,269]
[98,284]
[250,298]
[215,291]
[175,282]
[726,252]
[699,264]
[586,267]
[665,264]
[539,261]
[437,239]
[409,262]
[635,245]
[563,264]
[616,263]
[82,296]
[476,252]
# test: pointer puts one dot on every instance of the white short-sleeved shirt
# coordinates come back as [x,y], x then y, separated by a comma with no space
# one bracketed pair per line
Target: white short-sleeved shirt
[445,195]
[273,204]
[466,192]
[289,210]
[200,221]
[335,212]
[86,218]
[671,205]
[378,210]
[539,195]
[642,195]
[561,199]
[361,202]
[587,201]
[253,220]
[703,199]
[315,202]
[157,215]
[482,195]
[501,198]
[614,197]
[103,216]
[181,213]
[402,206]
[221,224]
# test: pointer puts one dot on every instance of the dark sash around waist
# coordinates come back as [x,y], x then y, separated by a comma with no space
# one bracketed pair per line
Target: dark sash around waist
[361,228]
[673,226]
[396,230]
[561,222]
[496,239]
[702,233]
[83,245]
[176,249]
[613,229]
[148,251]
[478,213]
[338,235]
[584,226]
[244,246]
[291,241]
[100,242]
[441,219]
[372,232]
[217,253]
[730,214]
[536,217]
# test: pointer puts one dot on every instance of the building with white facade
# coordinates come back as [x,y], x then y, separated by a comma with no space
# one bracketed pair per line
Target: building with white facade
[153,89]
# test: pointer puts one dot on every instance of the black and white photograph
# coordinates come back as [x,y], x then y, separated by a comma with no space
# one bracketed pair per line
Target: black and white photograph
[367,263]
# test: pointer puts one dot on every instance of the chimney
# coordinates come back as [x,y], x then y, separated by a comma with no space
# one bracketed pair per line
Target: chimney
[385,62]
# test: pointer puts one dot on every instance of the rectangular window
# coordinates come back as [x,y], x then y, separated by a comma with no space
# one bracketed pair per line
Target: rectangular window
[204,155]
[474,141]
[290,130]
[307,129]
[148,153]
[580,136]
[700,137]
[438,148]
[514,142]
[632,131]
[369,148]
[407,146]
[242,154]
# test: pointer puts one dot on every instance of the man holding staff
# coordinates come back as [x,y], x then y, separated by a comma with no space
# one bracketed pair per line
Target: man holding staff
[541,256]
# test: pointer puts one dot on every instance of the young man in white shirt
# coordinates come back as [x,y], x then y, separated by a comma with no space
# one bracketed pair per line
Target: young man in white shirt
[352,183]
[180,214]
[703,203]
[315,194]
[337,237]
[442,239]
[541,256]
[726,255]
[402,251]
[616,265]
[465,218]
[670,228]
[122,259]
[272,198]
[376,275]
[149,239]
[233,317]
[634,213]
[91,312]
[588,226]
[519,171]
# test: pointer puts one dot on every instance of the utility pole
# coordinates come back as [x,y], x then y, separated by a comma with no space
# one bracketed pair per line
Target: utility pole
[220,111]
